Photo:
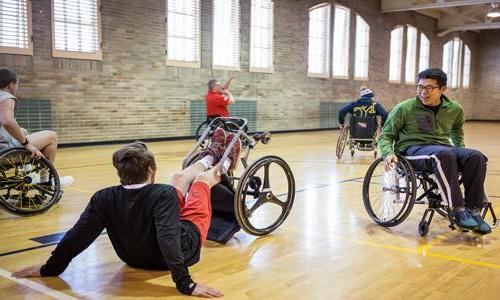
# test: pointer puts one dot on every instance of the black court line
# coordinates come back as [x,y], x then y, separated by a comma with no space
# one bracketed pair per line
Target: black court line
[46,241]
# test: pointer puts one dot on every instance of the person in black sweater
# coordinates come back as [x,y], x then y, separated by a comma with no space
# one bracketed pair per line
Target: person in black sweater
[151,226]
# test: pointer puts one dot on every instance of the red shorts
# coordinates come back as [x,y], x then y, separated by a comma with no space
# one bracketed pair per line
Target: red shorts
[197,207]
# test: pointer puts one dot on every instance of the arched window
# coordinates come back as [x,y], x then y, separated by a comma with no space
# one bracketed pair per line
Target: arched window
[341,31]
[396,54]
[361,59]
[452,61]
[423,61]
[319,41]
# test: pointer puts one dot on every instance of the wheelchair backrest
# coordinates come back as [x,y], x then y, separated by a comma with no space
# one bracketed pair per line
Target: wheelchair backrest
[363,127]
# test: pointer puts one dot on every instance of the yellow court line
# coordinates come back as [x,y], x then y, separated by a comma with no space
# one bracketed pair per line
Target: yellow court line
[423,252]
[79,190]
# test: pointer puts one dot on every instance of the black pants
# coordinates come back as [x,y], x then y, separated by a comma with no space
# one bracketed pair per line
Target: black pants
[446,162]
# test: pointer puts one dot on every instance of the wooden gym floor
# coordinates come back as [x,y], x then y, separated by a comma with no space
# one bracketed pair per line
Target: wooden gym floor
[328,248]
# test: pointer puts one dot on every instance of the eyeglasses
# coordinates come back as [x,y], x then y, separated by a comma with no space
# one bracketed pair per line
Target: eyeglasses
[427,88]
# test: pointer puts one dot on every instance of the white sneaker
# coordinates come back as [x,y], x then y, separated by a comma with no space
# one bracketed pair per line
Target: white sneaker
[66,180]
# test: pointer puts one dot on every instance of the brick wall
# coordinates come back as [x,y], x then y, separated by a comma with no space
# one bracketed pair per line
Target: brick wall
[487,103]
[132,94]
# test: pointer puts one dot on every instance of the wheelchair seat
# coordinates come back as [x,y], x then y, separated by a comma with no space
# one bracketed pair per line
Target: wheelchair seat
[363,128]
[360,135]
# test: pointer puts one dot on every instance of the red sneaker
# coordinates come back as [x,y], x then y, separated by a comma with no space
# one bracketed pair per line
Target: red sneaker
[235,150]
[217,144]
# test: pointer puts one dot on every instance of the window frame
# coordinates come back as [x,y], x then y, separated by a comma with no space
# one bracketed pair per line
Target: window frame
[182,63]
[415,58]
[29,49]
[356,52]
[77,54]
[227,68]
[256,69]
[347,45]
[328,41]
[401,45]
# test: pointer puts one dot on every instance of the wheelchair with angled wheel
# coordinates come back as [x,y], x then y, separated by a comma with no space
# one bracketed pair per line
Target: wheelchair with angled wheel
[22,191]
[360,134]
[262,196]
[389,196]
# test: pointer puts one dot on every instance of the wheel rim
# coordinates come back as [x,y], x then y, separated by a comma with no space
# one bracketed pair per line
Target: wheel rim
[389,196]
[21,188]
[264,196]
[342,141]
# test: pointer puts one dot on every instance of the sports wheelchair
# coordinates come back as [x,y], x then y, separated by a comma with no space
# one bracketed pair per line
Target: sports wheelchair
[21,190]
[264,194]
[360,135]
[389,197]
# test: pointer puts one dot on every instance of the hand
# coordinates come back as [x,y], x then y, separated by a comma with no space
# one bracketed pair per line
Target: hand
[34,151]
[33,271]
[378,132]
[231,76]
[205,291]
[390,162]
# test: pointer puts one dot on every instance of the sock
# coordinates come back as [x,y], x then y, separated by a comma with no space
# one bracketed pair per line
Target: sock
[207,161]
[475,211]
[226,164]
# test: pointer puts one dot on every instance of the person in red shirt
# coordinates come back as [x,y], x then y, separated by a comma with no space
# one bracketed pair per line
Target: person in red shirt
[218,98]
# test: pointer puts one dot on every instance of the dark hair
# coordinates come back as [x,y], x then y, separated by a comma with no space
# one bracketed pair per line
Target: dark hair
[434,73]
[211,84]
[132,163]
[7,76]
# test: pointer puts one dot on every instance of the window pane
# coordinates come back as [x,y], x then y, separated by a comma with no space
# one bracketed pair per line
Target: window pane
[14,24]
[455,64]
[395,57]
[75,25]
[411,54]
[341,41]
[423,62]
[183,30]
[226,33]
[467,62]
[319,40]
[261,33]
[362,48]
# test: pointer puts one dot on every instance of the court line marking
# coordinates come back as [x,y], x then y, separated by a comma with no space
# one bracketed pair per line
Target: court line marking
[419,250]
[36,286]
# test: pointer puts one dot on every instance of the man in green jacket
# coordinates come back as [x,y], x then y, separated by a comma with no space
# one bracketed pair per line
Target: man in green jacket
[421,129]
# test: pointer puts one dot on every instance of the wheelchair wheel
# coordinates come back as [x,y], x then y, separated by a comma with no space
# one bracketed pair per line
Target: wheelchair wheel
[201,128]
[21,189]
[389,196]
[264,196]
[342,141]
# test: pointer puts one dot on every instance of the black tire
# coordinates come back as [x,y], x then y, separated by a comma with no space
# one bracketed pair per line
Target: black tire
[423,228]
[255,186]
[389,190]
[342,141]
[21,191]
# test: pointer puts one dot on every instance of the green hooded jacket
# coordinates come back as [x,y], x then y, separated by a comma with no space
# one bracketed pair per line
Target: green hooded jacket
[411,123]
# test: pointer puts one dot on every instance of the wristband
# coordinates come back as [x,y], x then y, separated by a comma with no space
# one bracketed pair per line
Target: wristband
[26,142]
